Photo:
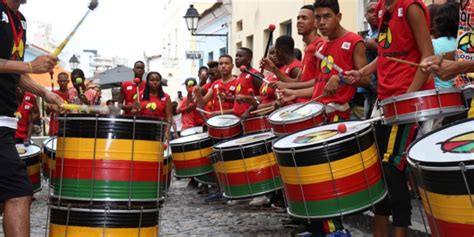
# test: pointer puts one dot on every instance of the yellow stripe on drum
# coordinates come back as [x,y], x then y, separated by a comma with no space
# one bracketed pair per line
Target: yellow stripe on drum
[322,173]
[34,169]
[191,155]
[77,231]
[108,149]
[450,208]
[245,165]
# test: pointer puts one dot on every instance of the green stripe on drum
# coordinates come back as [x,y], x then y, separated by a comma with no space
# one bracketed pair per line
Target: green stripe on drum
[113,190]
[334,207]
[207,179]
[193,172]
[255,189]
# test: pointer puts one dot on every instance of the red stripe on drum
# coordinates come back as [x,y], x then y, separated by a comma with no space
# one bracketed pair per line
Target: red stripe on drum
[194,163]
[447,229]
[250,177]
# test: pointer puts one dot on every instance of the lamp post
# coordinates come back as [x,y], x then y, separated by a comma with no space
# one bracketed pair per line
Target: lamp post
[74,62]
[192,17]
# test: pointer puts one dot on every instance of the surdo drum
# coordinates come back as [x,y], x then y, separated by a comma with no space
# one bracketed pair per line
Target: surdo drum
[190,155]
[31,156]
[49,156]
[329,174]
[444,163]
[255,125]
[283,121]
[224,126]
[422,105]
[246,167]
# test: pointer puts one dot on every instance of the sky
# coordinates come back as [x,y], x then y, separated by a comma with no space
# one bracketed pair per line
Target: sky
[115,28]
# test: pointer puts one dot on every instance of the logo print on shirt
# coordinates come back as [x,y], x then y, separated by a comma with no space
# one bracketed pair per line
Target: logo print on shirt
[264,89]
[129,88]
[463,143]
[17,115]
[346,45]
[326,67]
[5,18]
[18,52]
[385,39]
[239,87]
[151,106]
[465,43]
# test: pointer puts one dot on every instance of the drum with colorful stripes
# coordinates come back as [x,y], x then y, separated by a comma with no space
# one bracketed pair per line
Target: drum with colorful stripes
[329,174]
[246,167]
[80,222]
[48,158]
[285,121]
[444,163]
[190,154]
[209,179]
[31,156]
[113,158]
[166,170]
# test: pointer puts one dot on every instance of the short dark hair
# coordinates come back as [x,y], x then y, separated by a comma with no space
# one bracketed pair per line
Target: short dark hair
[139,61]
[308,7]
[286,44]
[446,20]
[63,73]
[202,68]
[248,51]
[212,64]
[331,4]
[78,72]
[226,56]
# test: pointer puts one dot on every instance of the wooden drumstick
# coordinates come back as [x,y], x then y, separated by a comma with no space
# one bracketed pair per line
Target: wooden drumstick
[137,82]
[306,103]
[342,127]
[266,109]
[219,99]
[405,62]
[85,108]
[203,111]
[271,28]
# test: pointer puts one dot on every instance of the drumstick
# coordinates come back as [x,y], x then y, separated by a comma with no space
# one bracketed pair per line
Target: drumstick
[271,28]
[306,103]
[203,111]
[266,109]
[219,99]
[342,127]
[324,58]
[92,5]
[405,62]
[86,108]
[137,84]
[243,68]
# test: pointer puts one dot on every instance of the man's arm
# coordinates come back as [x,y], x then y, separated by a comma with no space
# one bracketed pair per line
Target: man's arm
[359,58]
[41,64]
[450,69]
[418,25]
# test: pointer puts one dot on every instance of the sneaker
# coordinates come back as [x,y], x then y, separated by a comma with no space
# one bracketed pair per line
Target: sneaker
[214,197]
[193,183]
[304,234]
[259,201]
[238,202]
[278,209]
[340,233]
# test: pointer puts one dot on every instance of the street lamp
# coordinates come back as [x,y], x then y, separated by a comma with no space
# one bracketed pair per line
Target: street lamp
[192,17]
[74,62]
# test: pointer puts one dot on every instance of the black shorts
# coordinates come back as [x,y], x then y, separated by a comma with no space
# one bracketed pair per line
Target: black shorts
[397,203]
[14,181]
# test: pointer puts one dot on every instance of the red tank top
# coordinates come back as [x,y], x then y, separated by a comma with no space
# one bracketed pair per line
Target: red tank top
[30,98]
[244,83]
[267,93]
[228,89]
[310,62]
[397,40]
[155,107]
[189,119]
[53,122]
[22,112]
[340,52]
[129,89]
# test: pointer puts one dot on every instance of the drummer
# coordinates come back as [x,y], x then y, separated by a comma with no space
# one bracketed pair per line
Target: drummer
[403,33]
[154,102]
[76,93]
[63,81]
[222,91]
[245,81]
[128,89]
[187,107]
[26,115]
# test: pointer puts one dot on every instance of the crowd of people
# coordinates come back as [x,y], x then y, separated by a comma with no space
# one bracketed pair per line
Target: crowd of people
[435,37]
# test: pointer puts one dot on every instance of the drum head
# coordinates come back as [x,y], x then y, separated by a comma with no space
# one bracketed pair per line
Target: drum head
[447,146]
[51,144]
[191,131]
[284,115]
[319,135]
[222,121]
[190,138]
[27,151]
[247,140]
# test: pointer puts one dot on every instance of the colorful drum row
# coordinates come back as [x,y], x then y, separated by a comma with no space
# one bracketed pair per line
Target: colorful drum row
[444,163]
[30,155]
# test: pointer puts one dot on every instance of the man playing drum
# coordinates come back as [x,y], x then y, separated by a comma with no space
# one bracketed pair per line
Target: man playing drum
[128,91]
[403,33]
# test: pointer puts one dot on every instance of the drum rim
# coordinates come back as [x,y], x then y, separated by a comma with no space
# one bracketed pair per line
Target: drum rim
[413,161]
[424,115]
[114,119]
[253,118]
[249,145]
[104,210]
[305,148]
[228,126]
[416,94]
[69,198]
[30,155]
[251,195]
[190,142]
[273,122]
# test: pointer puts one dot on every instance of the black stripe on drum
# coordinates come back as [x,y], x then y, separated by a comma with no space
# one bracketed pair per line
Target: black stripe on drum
[320,155]
[197,145]
[111,130]
[447,182]
[32,160]
[88,218]
[101,205]
[244,152]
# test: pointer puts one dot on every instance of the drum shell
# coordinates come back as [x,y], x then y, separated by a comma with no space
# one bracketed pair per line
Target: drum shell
[281,128]
[32,163]
[190,158]
[209,179]
[255,125]
[334,178]
[422,105]
[49,157]
[246,171]
[224,132]
[95,160]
